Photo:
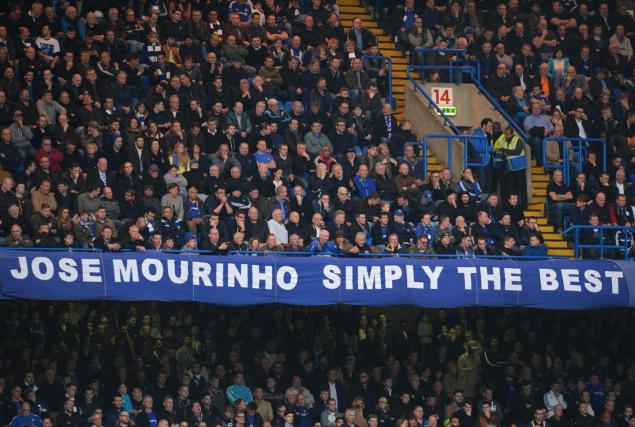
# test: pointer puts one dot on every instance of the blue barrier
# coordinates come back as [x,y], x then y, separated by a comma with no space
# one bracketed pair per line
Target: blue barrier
[474,72]
[38,249]
[452,68]
[579,145]
[284,253]
[472,65]
[438,256]
[464,139]
[512,123]
[387,59]
[628,236]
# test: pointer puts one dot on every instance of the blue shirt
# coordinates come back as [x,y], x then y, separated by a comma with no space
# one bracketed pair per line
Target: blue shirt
[365,187]
[480,145]
[532,121]
[263,157]
[21,420]
[538,251]
[243,10]
[409,19]
[236,392]
[328,249]
[425,230]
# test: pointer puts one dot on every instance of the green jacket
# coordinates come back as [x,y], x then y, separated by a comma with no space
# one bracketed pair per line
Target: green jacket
[314,144]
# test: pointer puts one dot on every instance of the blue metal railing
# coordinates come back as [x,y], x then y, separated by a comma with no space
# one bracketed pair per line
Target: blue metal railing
[290,253]
[453,67]
[388,60]
[464,139]
[473,70]
[468,66]
[510,120]
[623,247]
[578,145]
[417,87]
[446,256]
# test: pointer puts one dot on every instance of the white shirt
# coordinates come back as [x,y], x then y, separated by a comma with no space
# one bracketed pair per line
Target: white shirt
[333,392]
[620,187]
[552,399]
[581,130]
[280,231]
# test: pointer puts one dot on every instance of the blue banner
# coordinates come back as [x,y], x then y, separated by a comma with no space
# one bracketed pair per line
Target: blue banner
[246,280]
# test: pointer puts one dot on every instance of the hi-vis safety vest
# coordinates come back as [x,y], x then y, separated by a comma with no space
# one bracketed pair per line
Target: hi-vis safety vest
[501,142]
[516,162]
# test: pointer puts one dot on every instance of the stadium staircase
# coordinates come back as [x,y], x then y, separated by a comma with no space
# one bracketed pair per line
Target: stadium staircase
[350,9]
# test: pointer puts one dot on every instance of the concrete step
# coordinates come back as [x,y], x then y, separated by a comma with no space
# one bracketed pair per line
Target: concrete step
[551,236]
[347,21]
[561,252]
[348,9]
[559,244]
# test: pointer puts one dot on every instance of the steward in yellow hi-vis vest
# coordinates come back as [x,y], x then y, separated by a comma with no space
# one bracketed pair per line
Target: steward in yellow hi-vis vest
[512,148]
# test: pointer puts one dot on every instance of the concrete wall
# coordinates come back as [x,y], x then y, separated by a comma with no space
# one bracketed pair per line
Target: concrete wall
[462,101]
[425,121]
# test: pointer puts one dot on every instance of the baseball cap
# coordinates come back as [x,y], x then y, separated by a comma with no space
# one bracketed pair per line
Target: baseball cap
[399,212]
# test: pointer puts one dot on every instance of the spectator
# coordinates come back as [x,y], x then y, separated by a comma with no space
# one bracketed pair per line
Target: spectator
[560,197]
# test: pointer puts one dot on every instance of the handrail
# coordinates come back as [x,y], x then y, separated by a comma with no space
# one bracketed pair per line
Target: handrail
[577,246]
[451,68]
[300,253]
[454,67]
[462,139]
[431,102]
[469,63]
[424,155]
[40,249]
[503,112]
[565,153]
[386,255]
[389,60]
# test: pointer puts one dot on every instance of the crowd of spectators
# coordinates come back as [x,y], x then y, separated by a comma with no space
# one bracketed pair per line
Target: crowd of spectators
[223,126]
[560,69]
[126,365]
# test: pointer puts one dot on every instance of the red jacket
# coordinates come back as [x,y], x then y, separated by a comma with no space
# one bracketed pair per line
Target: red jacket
[55,157]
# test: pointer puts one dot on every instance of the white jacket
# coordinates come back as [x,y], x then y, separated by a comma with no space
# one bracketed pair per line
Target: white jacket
[552,399]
